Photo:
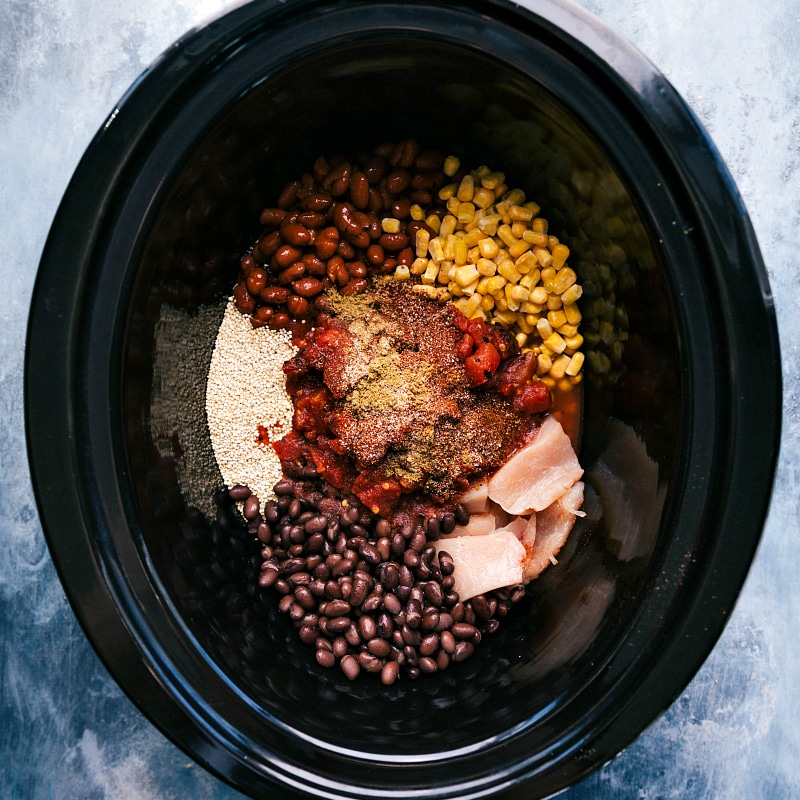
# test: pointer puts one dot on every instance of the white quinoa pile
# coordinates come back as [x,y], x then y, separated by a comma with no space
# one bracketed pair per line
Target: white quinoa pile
[246,388]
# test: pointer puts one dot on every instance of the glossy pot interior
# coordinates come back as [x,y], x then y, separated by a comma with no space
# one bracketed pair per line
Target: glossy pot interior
[141,258]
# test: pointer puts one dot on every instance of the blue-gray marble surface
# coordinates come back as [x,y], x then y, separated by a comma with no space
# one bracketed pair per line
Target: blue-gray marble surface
[67,731]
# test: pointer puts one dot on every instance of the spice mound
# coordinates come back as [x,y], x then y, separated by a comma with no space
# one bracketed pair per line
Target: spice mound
[387,407]
[427,327]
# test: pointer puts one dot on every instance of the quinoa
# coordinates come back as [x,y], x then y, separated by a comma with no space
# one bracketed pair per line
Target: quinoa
[245,395]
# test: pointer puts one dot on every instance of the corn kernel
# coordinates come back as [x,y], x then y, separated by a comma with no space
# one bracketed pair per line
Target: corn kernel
[495,284]
[539,225]
[519,247]
[523,324]
[553,302]
[571,295]
[531,310]
[480,171]
[473,238]
[483,198]
[560,366]
[536,239]
[465,212]
[486,267]
[504,317]
[452,205]
[448,226]
[526,261]
[534,207]
[421,242]
[488,223]
[500,191]
[402,273]
[451,165]
[543,256]
[504,232]
[430,274]
[436,249]
[460,252]
[500,302]
[516,197]
[556,318]
[566,329]
[488,247]
[561,281]
[539,295]
[572,311]
[465,275]
[493,180]
[433,222]
[555,343]
[574,342]
[487,302]
[445,268]
[518,228]
[519,293]
[511,303]
[390,225]
[448,191]
[417,212]
[508,271]
[549,382]
[449,246]
[521,213]
[470,288]
[552,241]
[544,329]
[530,279]
[454,289]
[419,266]
[522,339]
[466,189]
[472,305]
[543,364]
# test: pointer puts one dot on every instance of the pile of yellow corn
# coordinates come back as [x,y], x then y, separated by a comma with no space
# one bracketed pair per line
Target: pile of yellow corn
[492,256]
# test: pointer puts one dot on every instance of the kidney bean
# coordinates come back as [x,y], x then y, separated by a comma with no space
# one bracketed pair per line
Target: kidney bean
[286,255]
[406,256]
[314,266]
[296,234]
[243,299]
[393,242]
[256,280]
[272,217]
[375,204]
[359,189]
[337,271]
[298,306]
[374,168]
[354,286]
[422,182]
[344,216]
[337,181]
[401,208]
[404,153]
[320,169]
[311,219]
[375,254]
[318,202]
[307,287]
[397,181]
[289,194]
[421,198]
[389,672]
[357,269]
[325,658]
[279,321]
[326,242]
[360,240]
[429,161]
[345,249]
[268,245]
[292,273]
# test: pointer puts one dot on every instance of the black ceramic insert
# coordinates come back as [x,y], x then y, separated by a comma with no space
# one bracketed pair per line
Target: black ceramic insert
[148,238]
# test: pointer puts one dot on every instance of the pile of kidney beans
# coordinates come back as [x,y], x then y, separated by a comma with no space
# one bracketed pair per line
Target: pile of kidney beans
[364,594]
[325,231]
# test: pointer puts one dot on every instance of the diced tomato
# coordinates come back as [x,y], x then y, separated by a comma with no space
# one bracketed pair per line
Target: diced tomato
[482,364]
[338,471]
[532,398]
[292,448]
[465,347]
[377,492]
[516,372]
[311,409]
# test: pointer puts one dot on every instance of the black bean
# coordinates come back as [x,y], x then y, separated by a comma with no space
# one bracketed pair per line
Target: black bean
[389,673]
[429,644]
[367,627]
[338,625]
[338,608]
[340,646]
[379,647]
[391,603]
[370,553]
[461,514]
[434,593]
[447,522]
[463,651]
[463,630]
[325,658]
[383,527]
[433,528]
[284,487]
[427,664]
[239,492]
[251,507]
[446,563]
[350,667]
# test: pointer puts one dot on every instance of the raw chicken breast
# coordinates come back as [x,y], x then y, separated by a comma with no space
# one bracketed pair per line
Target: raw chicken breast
[476,498]
[483,563]
[552,528]
[478,525]
[538,474]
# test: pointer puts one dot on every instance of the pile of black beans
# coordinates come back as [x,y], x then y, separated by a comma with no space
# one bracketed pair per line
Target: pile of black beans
[364,594]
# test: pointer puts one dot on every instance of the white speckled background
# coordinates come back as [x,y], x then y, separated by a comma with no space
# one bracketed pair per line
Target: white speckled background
[67,731]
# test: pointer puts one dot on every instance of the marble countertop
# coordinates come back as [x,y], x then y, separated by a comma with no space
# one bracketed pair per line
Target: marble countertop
[67,729]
